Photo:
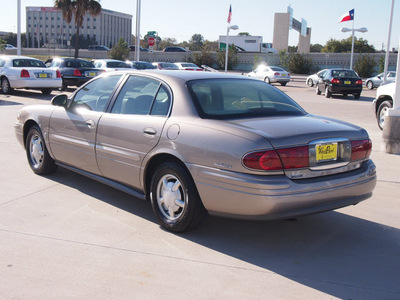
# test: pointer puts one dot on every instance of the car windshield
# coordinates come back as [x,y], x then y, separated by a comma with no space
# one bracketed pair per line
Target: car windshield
[344,73]
[240,98]
[117,64]
[28,63]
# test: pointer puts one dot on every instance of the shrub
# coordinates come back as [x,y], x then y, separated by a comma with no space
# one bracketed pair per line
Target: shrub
[120,51]
[365,65]
[232,59]
[299,64]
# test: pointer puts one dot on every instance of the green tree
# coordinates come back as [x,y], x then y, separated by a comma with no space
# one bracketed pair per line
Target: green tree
[11,38]
[205,57]
[283,57]
[83,41]
[299,63]
[120,51]
[244,34]
[293,49]
[167,42]
[2,44]
[77,9]
[360,46]
[381,64]
[232,58]
[365,65]
[316,48]
[196,42]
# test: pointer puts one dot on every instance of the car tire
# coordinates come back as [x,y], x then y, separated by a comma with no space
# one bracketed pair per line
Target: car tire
[345,95]
[39,158]
[46,91]
[328,94]
[267,80]
[317,91]
[174,198]
[370,85]
[310,82]
[63,86]
[5,86]
[380,114]
[357,96]
[283,83]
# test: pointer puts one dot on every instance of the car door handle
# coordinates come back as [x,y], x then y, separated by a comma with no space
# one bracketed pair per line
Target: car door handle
[90,123]
[149,131]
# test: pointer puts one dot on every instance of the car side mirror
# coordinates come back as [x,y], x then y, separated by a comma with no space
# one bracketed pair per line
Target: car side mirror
[60,100]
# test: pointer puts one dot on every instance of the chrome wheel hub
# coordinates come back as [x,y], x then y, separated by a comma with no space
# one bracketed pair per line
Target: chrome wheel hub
[36,150]
[382,116]
[170,197]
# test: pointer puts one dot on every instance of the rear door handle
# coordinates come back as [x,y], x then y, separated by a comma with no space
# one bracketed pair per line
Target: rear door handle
[149,131]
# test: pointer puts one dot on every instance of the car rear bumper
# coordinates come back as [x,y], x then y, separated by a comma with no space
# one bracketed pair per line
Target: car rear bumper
[76,81]
[277,197]
[345,89]
[36,83]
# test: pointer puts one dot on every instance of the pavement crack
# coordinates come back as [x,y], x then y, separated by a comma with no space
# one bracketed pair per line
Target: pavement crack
[30,194]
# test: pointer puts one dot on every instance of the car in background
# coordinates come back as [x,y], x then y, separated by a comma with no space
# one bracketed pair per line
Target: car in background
[74,71]
[183,139]
[141,65]
[270,74]
[188,66]
[8,47]
[110,65]
[165,66]
[313,79]
[98,48]
[175,49]
[133,47]
[374,82]
[22,72]
[339,81]
[383,102]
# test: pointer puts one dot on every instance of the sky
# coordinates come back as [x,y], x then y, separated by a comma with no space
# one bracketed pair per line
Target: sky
[180,19]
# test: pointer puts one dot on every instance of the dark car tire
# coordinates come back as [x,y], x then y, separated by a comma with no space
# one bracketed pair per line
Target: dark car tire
[5,86]
[283,83]
[63,86]
[385,105]
[180,210]
[370,85]
[357,96]
[317,91]
[310,82]
[39,158]
[267,80]
[46,91]
[328,94]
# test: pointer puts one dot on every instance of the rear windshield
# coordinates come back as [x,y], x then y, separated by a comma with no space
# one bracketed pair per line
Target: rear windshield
[277,69]
[169,66]
[117,64]
[344,73]
[144,65]
[78,64]
[28,63]
[189,66]
[240,98]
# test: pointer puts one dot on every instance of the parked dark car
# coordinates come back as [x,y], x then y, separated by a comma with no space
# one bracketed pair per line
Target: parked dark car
[339,81]
[133,47]
[74,71]
[141,65]
[175,49]
[98,48]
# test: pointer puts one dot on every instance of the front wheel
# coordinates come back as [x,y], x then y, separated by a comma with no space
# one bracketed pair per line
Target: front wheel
[267,80]
[317,91]
[357,95]
[310,82]
[370,85]
[381,113]
[39,158]
[174,198]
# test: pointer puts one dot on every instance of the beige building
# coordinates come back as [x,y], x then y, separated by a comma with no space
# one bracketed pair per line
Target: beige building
[46,25]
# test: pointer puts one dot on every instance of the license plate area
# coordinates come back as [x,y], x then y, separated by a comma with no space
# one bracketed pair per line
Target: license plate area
[326,152]
[42,75]
[329,153]
[347,82]
[91,74]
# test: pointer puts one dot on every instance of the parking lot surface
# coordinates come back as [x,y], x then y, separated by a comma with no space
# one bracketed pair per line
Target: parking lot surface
[64,236]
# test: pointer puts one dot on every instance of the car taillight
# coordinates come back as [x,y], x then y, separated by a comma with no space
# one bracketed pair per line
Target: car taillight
[271,160]
[277,74]
[25,73]
[288,74]
[361,149]
[359,81]
[58,74]
[77,72]
[334,80]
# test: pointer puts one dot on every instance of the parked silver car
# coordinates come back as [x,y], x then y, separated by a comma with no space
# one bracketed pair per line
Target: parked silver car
[313,79]
[270,74]
[376,81]
[198,142]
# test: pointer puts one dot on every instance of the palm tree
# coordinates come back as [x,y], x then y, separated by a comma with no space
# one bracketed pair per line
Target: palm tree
[77,9]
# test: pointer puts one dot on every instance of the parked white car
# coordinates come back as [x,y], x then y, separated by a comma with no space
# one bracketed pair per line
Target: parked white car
[188,66]
[374,82]
[110,65]
[382,102]
[22,72]
[270,74]
[313,79]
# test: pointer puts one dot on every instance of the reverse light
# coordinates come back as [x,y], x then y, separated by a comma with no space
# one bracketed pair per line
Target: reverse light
[25,73]
[77,72]
[361,149]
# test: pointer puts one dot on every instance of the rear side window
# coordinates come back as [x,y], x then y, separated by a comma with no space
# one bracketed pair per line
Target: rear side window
[238,98]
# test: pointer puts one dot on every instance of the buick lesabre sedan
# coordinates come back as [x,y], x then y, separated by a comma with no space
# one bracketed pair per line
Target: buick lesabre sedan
[194,143]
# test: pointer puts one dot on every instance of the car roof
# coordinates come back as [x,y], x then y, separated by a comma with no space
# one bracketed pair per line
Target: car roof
[17,57]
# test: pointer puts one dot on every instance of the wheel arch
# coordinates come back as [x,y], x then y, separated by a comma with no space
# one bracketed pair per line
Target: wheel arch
[27,126]
[382,99]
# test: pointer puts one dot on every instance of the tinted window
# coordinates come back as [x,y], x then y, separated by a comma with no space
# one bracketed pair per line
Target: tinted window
[143,65]
[95,95]
[344,73]
[238,98]
[78,64]
[28,63]
[117,64]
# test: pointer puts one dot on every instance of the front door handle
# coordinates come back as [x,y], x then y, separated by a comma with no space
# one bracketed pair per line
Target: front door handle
[90,123]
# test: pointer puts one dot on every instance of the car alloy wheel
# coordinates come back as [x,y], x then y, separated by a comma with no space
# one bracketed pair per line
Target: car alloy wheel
[310,82]
[370,85]
[327,92]
[381,114]
[5,86]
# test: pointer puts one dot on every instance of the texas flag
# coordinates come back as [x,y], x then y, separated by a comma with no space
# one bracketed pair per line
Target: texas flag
[347,16]
[230,14]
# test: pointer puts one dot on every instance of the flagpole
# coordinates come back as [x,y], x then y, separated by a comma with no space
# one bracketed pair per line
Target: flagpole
[352,46]
[226,49]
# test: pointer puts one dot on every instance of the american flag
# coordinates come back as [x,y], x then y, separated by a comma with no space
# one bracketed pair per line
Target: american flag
[230,14]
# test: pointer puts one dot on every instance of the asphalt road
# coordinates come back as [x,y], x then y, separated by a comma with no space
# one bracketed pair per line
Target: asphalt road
[67,237]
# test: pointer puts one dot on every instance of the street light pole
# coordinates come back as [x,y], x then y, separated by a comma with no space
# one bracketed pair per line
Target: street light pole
[233,27]
[137,41]
[19,28]
[345,29]
[388,45]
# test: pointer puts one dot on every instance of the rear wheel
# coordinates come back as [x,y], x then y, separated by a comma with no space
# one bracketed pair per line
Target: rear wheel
[63,86]
[357,95]
[310,82]
[317,91]
[174,198]
[283,83]
[328,94]
[381,113]
[46,91]
[267,80]
[36,151]
[5,86]
[370,85]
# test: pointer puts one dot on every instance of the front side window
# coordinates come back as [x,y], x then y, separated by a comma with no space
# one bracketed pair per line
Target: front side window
[95,95]
[238,98]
